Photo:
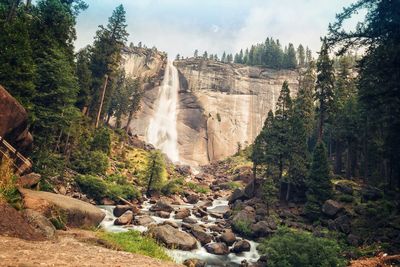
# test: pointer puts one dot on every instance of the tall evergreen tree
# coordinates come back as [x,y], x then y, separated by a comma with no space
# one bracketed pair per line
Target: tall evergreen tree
[84,79]
[319,182]
[301,55]
[324,87]
[106,56]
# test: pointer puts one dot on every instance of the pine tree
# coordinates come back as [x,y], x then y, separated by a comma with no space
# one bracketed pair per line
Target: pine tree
[205,55]
[290,57]
[301,56]
[324,87]
[155,172]
[309,56]
[281,126]
[106,57]
[84,79]
[318,182]
[196,53]
[223,58]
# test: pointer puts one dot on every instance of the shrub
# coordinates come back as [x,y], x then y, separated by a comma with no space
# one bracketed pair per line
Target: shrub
[102,140]
[298,248]
[8,190]
[198,188]
[172,187]
[134,242]
[242,227]
[90,162]
[98,188]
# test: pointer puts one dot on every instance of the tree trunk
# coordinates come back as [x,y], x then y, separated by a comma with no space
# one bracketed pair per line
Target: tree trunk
[101,101]
[130,117]
[13,10]
[288,192]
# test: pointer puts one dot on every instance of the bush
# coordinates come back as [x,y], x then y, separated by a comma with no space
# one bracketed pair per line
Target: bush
[8,189]
[301,249]
[134,242]
[242,227]
[102,140]
[198,188]
[98,188]
[90,162]
[172,187]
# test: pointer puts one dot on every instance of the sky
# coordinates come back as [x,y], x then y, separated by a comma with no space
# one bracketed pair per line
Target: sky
[181,26]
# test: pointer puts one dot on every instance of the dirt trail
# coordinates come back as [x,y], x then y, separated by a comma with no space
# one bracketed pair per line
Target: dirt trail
[71,248]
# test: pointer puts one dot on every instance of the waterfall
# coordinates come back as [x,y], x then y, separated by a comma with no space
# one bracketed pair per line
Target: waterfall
[162,131]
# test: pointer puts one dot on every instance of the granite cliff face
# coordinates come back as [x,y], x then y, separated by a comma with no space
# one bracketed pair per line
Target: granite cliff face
[220,106]
[224,105]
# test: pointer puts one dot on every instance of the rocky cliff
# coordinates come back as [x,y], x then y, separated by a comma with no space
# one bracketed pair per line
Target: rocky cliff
[224,105]
[220,106]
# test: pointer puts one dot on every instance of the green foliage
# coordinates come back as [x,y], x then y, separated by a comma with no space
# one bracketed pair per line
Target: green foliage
[135,242]
[319,182]
[102,140]
[97,188]
[301,249]
[242,227]
[90,162]
[8,188]
[173,186]
[198,188]
[155,173]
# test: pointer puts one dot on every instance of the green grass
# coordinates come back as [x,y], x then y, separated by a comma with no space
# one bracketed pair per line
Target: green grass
[135,242]
[243,227]
[198,188]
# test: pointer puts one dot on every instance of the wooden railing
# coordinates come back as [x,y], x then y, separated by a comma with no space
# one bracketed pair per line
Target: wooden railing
[20,163]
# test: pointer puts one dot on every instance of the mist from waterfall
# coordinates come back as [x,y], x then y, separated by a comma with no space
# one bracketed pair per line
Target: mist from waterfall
[162,132]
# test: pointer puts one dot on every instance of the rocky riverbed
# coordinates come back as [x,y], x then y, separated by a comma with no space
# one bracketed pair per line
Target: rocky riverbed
[189,231]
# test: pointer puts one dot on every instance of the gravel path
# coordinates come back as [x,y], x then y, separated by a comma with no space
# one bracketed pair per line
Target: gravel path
[68,250]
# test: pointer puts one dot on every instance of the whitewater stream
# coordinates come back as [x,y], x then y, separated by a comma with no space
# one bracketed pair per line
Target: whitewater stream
[218,206]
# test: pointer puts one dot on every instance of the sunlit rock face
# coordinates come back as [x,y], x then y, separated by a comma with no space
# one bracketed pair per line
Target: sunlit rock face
[223,105]
[219,105]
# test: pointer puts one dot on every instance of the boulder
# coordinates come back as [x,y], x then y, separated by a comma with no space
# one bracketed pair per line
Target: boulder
[173,238]
[163,214]
[75,212]
[14,122]
[244,217]
[228,237]
[29,180]
[161,205]
[144,220]
[192,199]
[125,218]
[201,235]
[217,248]
[236,195]
[344,188]
[182,213]
[189,220]
[331,207]
[241,246]
[263,228]
[371,193]
[216,228]
[40,223]
[121,209]
[172,223]
[194,263]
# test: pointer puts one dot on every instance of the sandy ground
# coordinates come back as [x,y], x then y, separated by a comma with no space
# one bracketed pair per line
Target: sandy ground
[71,248]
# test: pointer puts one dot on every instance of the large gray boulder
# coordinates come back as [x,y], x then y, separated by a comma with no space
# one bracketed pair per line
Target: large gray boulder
[241,246]
[173,238]
[74,212]
[331,207]
[161,205]
[228,237]
[40,223]
[200,235]
[125,218]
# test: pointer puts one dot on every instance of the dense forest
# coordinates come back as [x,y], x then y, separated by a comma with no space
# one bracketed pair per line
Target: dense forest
[68,95]
[345,114]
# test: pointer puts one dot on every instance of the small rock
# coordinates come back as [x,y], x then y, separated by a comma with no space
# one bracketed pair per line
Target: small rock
[144,220]
[162,214]
[121,209]
[125,218]
[241,246]
[200,235]
[216,228]
[161,205]
[182,213]
[192,199]
[172,223]
[194,263]
[189,220]
[228,237]
[217,248]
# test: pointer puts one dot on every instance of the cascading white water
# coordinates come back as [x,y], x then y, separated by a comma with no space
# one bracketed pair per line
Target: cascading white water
[162,131]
